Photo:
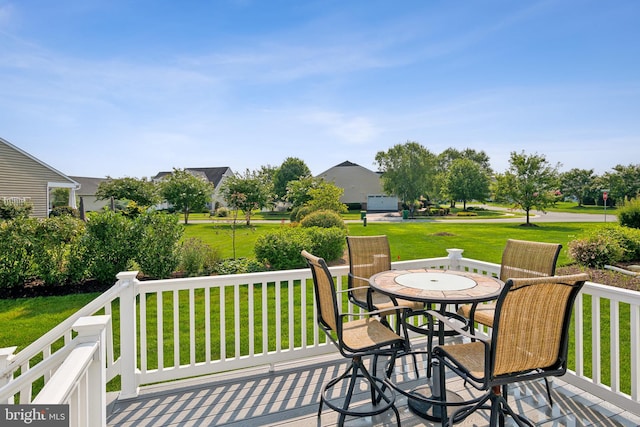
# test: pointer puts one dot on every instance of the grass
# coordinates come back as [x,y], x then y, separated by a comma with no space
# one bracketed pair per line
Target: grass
[24,320]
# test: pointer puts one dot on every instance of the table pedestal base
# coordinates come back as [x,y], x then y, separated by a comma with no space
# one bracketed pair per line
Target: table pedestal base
[426,410]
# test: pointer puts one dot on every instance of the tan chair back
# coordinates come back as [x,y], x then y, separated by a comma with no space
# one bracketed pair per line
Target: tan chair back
[531,326]
[368,255]
[521,258]
[326,301]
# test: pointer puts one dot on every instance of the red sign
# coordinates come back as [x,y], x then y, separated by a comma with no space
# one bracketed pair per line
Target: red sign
[604,196]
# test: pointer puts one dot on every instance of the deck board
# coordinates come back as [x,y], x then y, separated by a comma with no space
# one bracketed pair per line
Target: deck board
[290,395]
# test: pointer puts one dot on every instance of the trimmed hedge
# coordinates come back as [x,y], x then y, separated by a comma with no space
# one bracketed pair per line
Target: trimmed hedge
[280,250]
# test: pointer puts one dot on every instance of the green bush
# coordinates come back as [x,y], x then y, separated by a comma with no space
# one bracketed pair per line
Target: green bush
[110,244]
[158,235]
[298,213]
[239,266]
[56,242]
[16,247]
[604,245]
[64,211]
[197,258]
[222,212]
[629,213]
[280,250]
[324,219]
[328,243]
[465,213]
[11,211]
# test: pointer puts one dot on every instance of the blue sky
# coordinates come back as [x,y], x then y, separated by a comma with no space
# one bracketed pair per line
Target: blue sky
[131,88]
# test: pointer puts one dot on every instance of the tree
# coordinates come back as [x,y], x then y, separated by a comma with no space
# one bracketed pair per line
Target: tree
[408,171]
[530,182]
[298,191]
[291,169]
[186,192]
[446,159]
[140,191]
[577,183]
[624,182]
[59,197]
[255,192]
[466,180]
[326,196]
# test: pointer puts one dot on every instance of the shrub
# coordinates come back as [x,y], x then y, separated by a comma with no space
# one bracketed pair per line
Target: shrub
[465,213]
[197,258]
[606,245]
[56,243]
[222,212]
[281,249]
[298,213]
[64,211]
[11,211]
[109,245]
[328,243]
[629,213]
[159,235]
[324,219]
[16,248]
[239,266]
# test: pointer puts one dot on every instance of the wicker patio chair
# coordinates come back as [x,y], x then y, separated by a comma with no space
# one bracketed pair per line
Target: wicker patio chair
[355,339]
[520,259]
[529,340]
[369,255]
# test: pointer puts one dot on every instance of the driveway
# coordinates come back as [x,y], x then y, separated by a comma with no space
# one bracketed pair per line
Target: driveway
[534,217]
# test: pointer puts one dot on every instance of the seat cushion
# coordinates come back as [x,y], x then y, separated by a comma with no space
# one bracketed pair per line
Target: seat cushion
[484,313]
[367,333]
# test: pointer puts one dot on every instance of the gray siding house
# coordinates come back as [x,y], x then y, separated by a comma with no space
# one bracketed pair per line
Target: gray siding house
[361,186]
[87,191]
[25,179]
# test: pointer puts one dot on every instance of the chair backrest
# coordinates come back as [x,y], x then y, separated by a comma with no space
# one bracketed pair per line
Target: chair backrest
[521,258]
[531,324]
[368,255]
[326,301]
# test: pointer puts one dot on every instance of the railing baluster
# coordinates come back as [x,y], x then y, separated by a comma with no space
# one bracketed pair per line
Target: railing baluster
[252,320]
[614,342]
[176,328]
[223,329]
[160,329]
[596,371]
[192,327]
[143,333]
[236,321]
[207,324]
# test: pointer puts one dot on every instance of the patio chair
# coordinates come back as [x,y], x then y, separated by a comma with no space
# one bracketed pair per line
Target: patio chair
[520,259]
[355,339]
[369,255]
[529,340]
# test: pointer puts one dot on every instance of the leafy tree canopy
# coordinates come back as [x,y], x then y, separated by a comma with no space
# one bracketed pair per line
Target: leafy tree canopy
[408,170]
[140,191]
[530,182]
[466,180]
[247,192]
[291,169]
[186,191]
[577,183]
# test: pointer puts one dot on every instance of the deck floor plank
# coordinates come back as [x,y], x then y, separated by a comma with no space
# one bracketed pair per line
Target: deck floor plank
[290,395]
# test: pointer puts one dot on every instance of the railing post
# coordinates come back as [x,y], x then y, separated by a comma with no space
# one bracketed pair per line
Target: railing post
[128,341]
[455,255]
[91,329]
[5,356]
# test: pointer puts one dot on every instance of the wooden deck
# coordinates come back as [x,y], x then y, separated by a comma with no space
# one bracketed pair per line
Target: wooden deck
[290,395]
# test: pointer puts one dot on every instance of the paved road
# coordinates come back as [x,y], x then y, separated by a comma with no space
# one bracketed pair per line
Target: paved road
[535,217]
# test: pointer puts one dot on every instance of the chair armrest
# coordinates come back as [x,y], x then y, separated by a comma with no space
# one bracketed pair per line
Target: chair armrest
[369,313]
[455,327]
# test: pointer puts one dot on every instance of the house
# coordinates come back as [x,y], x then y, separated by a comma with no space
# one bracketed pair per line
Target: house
[87,192]
[25,179]
[216,176]
[362,187]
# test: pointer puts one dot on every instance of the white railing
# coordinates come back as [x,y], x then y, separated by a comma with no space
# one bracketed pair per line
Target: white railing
[16,201]
[76,376]
[178,328]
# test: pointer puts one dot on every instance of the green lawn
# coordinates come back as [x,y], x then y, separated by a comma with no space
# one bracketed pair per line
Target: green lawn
[24,320]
